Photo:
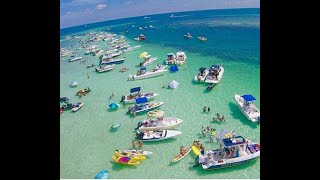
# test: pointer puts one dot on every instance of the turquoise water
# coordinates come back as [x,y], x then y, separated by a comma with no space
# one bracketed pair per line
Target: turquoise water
[86,142]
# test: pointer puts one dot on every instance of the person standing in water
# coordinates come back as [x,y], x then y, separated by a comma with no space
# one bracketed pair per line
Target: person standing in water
[133,145]
[205,109]
[88,76]
[140,144]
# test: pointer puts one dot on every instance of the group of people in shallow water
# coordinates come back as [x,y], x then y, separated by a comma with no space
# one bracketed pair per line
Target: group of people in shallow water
[207,110]
[134,144]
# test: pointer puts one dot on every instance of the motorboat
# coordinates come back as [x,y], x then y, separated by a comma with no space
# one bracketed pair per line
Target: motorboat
[72,59]
[143,105]
[160,67]
[111,55]
[235,150]
[245,104]
[215,74]
[157,135]
[112,61]
[105,68]
[158,122]
[128,49]
[141,37]
[179,58]
[137,94]
[200,77]
[202,38]
[76,107]
[148,60]
[142,73]
[188,36]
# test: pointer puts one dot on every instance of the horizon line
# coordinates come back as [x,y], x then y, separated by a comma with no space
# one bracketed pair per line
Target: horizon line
[152,15]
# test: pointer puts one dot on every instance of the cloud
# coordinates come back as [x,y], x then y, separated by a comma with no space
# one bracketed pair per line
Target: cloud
[101,6]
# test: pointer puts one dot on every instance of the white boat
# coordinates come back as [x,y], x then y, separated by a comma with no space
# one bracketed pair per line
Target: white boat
[105,68]
[128,49]
[111,55]
[160,67]
[112,61]
[202,38]
[157,135]
[234,151]
[141,37]
[148,60]
[159,123]
[179,59]
[245,103]
[132,97]
[143,74]
[188,36]
[142,105]
[138,152]
[75,59]
[200,77]
[76,107]
[215,74]
[151,26]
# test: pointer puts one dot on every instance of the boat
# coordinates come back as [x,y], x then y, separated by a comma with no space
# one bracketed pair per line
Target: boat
[143,74]
[158,122]
[132,97]
[179,59]
[188,36]
[245,103]
[111,55]
[151,26]
[157,135]
[104,174]
[171,16]
[77,107]
[73,84]
[202,38]
[90,65]
[112,61]
[200,77]
[140,152]
[141,37]
[140,28]
[123,69]
[210,87]
[125,160]
[179,156]
[142,105]
[148,60]
[115,126]
[234,151]
[128,49]
[135,156]
[160,67]
[61,110]
[105,68]
[83,92]
[195,150]
[75,59]
[214,75]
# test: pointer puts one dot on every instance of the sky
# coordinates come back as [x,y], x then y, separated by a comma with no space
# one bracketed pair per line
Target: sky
[79,12]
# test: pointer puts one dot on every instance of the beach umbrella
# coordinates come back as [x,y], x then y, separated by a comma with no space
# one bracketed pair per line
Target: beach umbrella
[113,106]
[144,54]
[102,175]
[173,84]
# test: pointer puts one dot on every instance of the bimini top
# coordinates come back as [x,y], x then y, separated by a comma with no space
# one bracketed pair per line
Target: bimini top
[144,68]
[229,142]
[141,100]
[213,67]
[136,89]
[170,54]
[202,69]
[248,97]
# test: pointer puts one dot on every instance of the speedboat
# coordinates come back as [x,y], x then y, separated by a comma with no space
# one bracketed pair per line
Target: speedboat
[157,135]
[148,60]
[215,74]
[143,105]
[112,61]
[160,67]
[105,68]
[74,59]
[141,37]
[188,36]
[76,107]
[234,151]
[158,122]
[132,97]
[202,38]
[200,77]
[179,58]
[245,103]
[143,74]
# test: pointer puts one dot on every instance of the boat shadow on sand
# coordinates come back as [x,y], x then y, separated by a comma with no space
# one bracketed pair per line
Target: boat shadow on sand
[202,172]
[237,114]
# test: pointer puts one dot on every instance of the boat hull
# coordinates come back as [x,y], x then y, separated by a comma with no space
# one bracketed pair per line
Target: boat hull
[150,108]
[148,75]
[252,117]
[169,134]
[133,100]
[168,126]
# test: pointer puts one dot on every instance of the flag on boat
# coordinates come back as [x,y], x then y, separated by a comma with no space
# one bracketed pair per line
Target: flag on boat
[173,84]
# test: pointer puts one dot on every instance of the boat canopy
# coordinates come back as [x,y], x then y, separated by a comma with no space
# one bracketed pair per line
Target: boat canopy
[144,68]
[136,89]
[230,142]
[170,54]
[248,97]
[141,100]
[213,67]
[202,69]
